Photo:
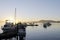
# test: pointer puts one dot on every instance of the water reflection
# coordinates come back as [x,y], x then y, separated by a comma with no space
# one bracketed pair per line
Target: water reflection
[40,33]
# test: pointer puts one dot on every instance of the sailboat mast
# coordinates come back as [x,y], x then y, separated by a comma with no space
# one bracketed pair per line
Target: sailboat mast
[15,15]
[15,23]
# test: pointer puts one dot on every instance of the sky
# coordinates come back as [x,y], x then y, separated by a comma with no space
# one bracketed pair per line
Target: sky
[30,9]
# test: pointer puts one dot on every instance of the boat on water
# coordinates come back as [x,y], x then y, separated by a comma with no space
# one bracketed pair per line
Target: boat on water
[10,30]
[47,24]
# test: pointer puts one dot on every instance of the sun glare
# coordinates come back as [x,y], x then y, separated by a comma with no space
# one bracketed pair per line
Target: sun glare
[10,19]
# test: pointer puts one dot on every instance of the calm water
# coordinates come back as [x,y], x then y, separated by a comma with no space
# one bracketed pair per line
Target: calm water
[40,33]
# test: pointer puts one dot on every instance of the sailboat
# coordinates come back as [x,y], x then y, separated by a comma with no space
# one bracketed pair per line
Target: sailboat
[14,30]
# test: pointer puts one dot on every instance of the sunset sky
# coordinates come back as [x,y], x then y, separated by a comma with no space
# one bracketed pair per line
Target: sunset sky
[30,9]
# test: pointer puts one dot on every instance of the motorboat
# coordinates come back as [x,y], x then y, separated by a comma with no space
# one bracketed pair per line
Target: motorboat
[47,24]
